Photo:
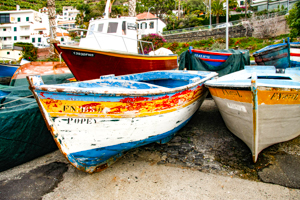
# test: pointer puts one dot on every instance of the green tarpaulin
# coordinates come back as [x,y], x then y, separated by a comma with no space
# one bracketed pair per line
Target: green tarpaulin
[235,62]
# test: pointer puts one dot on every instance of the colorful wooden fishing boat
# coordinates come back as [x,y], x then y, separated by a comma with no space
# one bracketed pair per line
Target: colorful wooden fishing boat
[295,54]
[277,55]
[213,58]
[94,122]
[258,105]
[111,47]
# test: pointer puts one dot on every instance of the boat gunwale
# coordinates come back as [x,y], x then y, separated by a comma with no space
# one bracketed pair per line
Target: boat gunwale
[120,92]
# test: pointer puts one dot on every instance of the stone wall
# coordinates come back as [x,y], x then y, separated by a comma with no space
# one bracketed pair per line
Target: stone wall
[234,32]
[43,53]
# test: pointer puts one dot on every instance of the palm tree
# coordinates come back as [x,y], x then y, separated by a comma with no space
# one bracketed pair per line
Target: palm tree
[217,9]
[131,10]
[52,24]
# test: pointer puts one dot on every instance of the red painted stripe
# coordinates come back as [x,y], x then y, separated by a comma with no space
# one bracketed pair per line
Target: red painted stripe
[295,54]
[211,53]
[212,60]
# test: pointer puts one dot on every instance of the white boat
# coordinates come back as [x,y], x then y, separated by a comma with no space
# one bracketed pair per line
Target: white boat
[258,105]
[94,122]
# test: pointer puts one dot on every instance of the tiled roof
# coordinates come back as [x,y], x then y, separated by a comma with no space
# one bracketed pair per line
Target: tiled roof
[145,15]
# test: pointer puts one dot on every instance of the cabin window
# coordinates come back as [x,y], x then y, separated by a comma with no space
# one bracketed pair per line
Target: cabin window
[144,25]
[4,18]
[112,27]
[92,29]
[15,37]
[124,28]
[151,25]
[100,27]
[33,40]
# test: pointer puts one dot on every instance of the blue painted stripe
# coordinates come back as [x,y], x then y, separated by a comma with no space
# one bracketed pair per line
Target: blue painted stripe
[95,157]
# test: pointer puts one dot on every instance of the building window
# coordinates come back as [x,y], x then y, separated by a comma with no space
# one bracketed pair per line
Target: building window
[62,39]
[33,40]
[19,19]
[41,32]
[8,53]
[15,37]
[138,26]
[39,39]
[4,29]
[4,38]
[27,19]
[112,27]
[4,18]
[15,28]
[242,3]
[151,25]
[144,25]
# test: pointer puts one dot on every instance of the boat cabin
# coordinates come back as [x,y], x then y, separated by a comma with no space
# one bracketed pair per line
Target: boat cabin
[118,34]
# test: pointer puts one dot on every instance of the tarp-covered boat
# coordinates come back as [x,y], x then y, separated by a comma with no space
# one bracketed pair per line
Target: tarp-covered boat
[221,61]
[94,122]
[23,132]
[258,105]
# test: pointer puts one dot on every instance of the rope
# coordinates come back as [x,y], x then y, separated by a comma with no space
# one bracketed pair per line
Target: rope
[16,100]
[17,105]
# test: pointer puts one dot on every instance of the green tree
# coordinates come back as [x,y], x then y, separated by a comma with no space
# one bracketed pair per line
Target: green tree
[293,20]
[217,9]
[158,7]
[232,4]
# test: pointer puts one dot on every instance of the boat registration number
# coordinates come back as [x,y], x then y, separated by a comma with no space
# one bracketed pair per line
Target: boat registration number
[84,54]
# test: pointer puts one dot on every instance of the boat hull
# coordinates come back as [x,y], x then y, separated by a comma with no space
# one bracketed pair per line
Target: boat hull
[6,72]
[295,54]
[94,127]
[87,64]
[278,114]
[278,56]
[211,58]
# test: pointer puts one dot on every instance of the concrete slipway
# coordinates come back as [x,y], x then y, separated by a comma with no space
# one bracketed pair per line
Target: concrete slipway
[204,161]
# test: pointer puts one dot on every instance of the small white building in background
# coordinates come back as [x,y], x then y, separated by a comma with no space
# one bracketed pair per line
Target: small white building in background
[147,23]
[27,26]
[69,13]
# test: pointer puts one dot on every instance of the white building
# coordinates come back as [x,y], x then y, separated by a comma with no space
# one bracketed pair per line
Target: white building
[27,26]
[69,13]
[147,23]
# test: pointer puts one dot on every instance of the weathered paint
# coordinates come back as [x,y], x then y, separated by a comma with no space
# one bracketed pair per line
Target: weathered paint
[93,125]
[295,54]
[109,62]
[6,72]
[264,113]
[276,55]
